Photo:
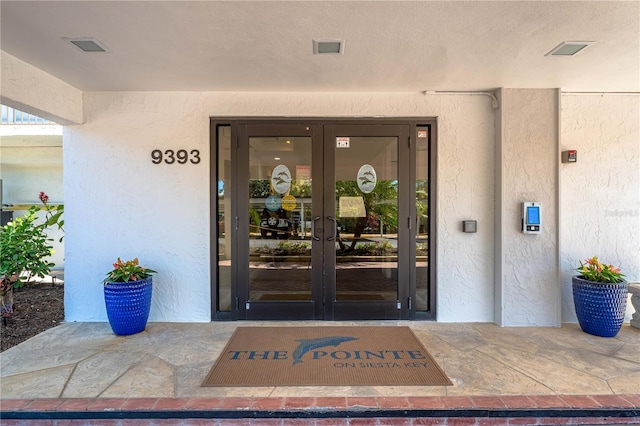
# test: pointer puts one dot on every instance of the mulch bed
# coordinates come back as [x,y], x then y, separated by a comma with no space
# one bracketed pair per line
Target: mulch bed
[37,308]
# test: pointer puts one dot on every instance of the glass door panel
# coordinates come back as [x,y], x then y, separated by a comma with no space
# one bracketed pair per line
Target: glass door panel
[366,212]
[278,259]
[224,197]
[423,294]
[366,253]
[280,220]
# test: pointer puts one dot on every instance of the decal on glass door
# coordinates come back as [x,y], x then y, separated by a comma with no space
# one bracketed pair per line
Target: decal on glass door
[289,203]
[273,203]
[367,178]
[281,179]
[342,142]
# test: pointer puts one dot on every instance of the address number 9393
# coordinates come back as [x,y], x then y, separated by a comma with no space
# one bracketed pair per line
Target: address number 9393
[181,156]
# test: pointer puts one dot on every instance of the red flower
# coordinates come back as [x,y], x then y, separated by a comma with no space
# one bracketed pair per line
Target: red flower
[44,197]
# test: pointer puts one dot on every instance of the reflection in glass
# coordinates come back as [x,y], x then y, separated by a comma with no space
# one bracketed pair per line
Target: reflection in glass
[366,182]
[279,218]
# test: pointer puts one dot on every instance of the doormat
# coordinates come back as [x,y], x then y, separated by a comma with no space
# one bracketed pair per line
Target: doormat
[325,356]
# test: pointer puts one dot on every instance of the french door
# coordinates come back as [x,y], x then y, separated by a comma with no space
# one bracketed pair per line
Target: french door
[324,223]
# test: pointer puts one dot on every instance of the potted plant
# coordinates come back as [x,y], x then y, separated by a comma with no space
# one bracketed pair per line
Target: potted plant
[127,295]
[600,297]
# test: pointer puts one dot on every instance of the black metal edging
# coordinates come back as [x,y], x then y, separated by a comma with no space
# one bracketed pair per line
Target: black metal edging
[320,414]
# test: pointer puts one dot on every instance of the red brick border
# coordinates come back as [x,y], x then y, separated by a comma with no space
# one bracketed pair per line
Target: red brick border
[462,404]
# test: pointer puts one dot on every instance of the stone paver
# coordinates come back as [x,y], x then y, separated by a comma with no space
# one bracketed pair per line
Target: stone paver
[170,360]
[84,368]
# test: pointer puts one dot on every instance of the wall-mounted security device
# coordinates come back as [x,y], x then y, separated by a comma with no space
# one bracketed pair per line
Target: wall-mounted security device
[570,156]
[469,226]
[531,217]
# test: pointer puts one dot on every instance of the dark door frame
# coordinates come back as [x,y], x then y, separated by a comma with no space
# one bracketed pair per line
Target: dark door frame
[413,122]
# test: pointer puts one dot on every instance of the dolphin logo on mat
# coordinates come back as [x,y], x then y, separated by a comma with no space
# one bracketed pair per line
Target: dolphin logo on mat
[307,345]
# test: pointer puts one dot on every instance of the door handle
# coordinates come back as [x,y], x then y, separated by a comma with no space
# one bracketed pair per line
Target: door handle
[313,228]
[335,228]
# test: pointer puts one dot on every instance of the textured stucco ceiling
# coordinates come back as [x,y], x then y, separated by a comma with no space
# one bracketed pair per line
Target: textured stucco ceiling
[390,46]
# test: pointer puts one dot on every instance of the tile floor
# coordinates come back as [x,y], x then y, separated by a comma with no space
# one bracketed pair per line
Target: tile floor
[85,365]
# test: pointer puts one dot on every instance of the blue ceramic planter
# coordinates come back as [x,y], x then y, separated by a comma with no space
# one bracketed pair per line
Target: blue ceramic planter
[600,307]
[128,305]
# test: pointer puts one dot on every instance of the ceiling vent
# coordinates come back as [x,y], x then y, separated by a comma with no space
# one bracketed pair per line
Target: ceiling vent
[569,48]
[87,44]
[327,46]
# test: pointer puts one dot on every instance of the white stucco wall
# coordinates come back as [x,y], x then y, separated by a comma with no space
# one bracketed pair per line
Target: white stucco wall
[600,193]
[527,281]
[120,204]
[466,147]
